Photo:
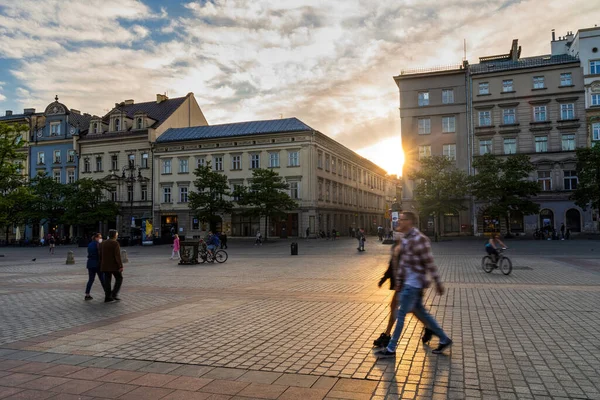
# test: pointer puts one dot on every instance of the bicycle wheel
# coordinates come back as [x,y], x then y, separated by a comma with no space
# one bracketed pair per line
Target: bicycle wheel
[221,256]
[487,264]
[505,265]
[210,257]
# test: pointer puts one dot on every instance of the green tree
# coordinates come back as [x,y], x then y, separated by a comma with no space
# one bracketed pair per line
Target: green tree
[210,199]
[266,196]
[503,186]
[440,188]
[49,200]
[86,204]
[588,174]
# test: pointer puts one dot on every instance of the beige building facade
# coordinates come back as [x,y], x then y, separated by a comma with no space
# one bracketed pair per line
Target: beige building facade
[334,187]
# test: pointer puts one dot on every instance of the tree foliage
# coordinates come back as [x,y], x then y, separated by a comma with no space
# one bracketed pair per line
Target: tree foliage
[588,174]
[211,198]
[86,204]
[49,200]
[440,188]
[503,185]
[266,197]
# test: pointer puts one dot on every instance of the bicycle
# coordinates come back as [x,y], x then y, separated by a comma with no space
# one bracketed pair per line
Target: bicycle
[503,263]
[204,255]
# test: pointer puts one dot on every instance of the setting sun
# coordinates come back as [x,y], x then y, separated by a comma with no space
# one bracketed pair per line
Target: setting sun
[387,153]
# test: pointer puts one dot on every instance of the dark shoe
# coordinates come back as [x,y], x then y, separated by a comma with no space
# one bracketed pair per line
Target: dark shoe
[88,297]
[382,340]
[441,347]
[109,299]
[427,336]
[385,353]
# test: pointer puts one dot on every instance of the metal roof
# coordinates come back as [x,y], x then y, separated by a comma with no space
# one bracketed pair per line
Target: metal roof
[529,62]
[235,129]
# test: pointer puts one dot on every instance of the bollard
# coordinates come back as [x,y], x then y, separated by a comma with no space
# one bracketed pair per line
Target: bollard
[294,248]
[70,258]
[124,258]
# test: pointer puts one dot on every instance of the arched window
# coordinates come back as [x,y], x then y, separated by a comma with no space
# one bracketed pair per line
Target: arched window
[139,123]
[95,127]
[117,124]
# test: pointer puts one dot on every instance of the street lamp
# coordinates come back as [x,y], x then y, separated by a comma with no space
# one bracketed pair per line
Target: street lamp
[130,177]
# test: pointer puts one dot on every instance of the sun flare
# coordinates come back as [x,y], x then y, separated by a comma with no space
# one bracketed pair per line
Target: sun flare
[387,154]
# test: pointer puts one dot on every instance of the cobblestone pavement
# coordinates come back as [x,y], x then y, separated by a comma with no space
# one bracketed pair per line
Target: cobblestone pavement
[272,326]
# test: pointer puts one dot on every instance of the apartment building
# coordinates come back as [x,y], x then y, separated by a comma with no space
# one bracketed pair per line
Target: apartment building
[117,148]
[333,186]
[433,118]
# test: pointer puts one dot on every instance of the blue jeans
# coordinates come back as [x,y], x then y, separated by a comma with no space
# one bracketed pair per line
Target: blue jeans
[92,272]
[411,300]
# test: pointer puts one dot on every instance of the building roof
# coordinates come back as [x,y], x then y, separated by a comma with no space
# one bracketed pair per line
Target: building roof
[13,117]
[80,120]
[157,111]
[527,62]
[233,130]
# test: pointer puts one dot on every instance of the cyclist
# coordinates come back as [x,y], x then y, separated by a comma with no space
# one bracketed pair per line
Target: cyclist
[212,242]
[491,246]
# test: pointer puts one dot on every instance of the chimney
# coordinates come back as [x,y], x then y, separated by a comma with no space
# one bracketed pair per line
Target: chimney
[74,111]
[553,35]
[29,111]
[160,98]
[128,102]
[8,113]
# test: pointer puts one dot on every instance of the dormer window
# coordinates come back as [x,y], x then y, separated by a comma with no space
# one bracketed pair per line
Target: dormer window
[95,127]
[117,124]
[139,123]
[54,128]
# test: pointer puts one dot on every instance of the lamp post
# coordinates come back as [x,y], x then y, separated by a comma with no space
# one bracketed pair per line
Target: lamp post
[130,177]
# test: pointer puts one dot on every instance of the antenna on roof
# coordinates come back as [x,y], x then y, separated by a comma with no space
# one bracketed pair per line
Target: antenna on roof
[464,49]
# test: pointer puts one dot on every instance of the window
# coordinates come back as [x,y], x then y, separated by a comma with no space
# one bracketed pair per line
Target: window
[254,161]
[274,160]
[485,146]
[424,126]
[596,131]
[485,118]
[99,164]
[448,124]
[41,157]
[568,142]
[144,190]
[218,163]
[424,151]
[327,190]
[129,193]
[295,190]
[510,146]
[319,160]
[57,176]
[166,167]
[539,113]
[183,166]
[95,127]
[509,116]
[236,162]
[566,79]
[139,123]
[596,99]
[200,162]
[327,165]
[131,160]
[293,159]
[320,184]
[423,98]
[595,67]
[117,124]
[71,176]
[567,111]
[333,165]
[447,96]
[570,180]
[86,165]
[183,194]
[144,160]
[54,128]
[71,156]
[544,180]
[449,150]
[114,162]
[507,85]
[166,195]
[541,144]
[56,156]
[484,88]
[538,82]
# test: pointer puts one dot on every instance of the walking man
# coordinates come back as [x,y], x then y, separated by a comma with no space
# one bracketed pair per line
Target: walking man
[111,265]
[93,264]
[415,261]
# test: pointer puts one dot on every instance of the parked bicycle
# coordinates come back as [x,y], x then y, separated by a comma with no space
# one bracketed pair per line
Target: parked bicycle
[205,255]
[502,262]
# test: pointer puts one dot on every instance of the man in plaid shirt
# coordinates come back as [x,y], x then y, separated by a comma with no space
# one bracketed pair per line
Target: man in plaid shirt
[414,261]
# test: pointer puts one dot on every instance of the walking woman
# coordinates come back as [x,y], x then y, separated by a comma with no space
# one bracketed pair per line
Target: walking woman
[175,248]
[93,264]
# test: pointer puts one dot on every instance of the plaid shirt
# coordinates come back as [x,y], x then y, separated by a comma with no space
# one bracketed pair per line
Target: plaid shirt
[416,255]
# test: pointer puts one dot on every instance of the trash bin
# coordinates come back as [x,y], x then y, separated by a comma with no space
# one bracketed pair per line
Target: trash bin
[294,247]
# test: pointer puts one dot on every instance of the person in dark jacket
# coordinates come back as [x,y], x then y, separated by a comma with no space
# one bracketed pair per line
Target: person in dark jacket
[384,338]
[93,264]
[111,265]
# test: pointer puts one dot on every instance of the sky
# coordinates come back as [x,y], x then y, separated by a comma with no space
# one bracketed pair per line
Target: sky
[329,63]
